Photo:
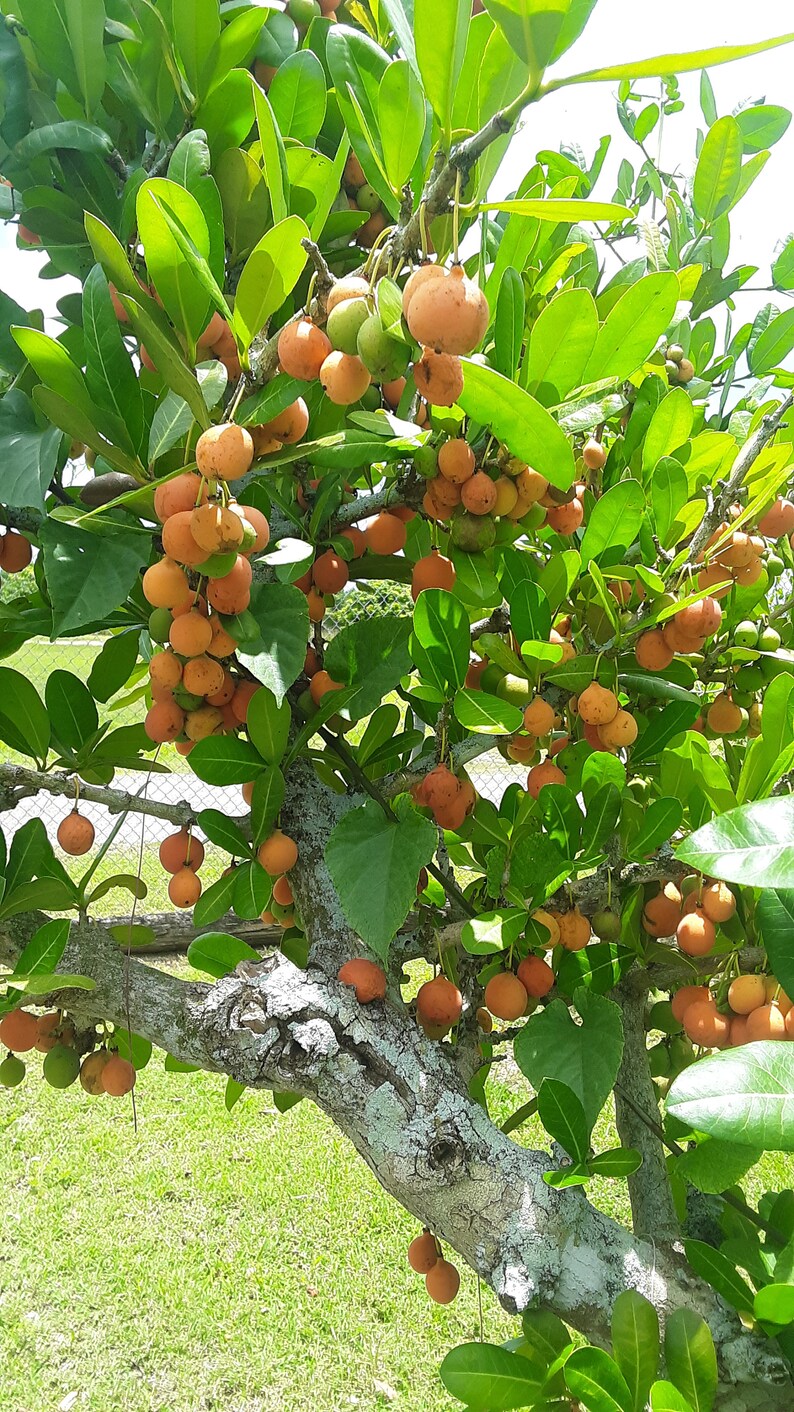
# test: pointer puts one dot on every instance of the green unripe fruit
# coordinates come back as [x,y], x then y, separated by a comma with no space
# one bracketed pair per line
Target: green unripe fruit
[491,678]
[771,667]
[768,640]
[661,1017]
[278,38]
[606,924]
[746,634]
[675,352]
[188,700]
[367,198]
[774,566]
[160,621]
[659,1062]
[742,728]
[750,677]
[426,461]
[344,322]
[306,704]
[742,698]
[384,358]
[303,12]
[61,1066]
[218,565]
[516,690]
[370,400]
[641,790]
[12,1071]
[281,910]
[471,533]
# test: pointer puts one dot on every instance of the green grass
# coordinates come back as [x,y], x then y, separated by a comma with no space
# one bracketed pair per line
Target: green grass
[245,1261]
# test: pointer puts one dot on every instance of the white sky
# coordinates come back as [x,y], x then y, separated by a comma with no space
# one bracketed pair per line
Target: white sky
[620,30]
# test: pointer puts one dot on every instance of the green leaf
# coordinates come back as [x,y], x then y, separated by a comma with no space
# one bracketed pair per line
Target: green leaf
[661,818]
[718,170]
[232,1094]
[633,327]
[509,323]
[690,1358]
[775,919]
[276,658]
[298,98]
[215,901]
[24,723]
[71,709]
[133,1047]
[615,520]
[562,340]
[489,1378]
[558,210]
[401,118]
[86,26]
[29,455]
[266,801]
[252,891]
[586,1057]
[762,126]
[493,931]
[617,1162]
[745,1096]
[596,1380]
[526,428]
[720,1273]
[112,667]
[370,656]
[669,495]
[245,199]
[110,376]
[774,344]
[168,358]
[635,1344]
[760,771]
[563,1117]
[374,863]
[225,760]
[270,274]
[268,724]
[197,29]
[441,626]
[184,297]
[603,812]
[217,953]
[55,367]
[666,64]
[44,984]
[440,34]
[273,156]
[666,1398]
[174,418]
[45,948]
[598,966]
[775,1304]
[485,714]
[714,1165]
[753,844]
[224,832]
[87,575]
[71,136]
[670,427]
[46,892]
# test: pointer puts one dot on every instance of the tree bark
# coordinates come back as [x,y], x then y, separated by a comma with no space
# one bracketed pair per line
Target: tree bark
[652,1206]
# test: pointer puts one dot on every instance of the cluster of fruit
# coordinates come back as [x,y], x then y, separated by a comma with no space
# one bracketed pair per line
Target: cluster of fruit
[363,197]
[679,369]
[182,854]
[353,351]
[16,552]
[687,631]
[447,314]
[197,591]
[329,573]
[442,1279]
[53,1035]
[278,855]
[690,913]
[449,797]
[755,1008]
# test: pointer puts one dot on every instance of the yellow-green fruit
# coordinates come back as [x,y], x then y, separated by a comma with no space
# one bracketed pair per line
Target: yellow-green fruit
[61,1066]
[516,690]
[12,1071]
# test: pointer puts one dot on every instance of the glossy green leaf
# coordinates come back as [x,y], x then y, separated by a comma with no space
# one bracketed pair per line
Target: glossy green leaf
[110,376]
[270,274]
[184,299]
[720,1273]
[615,520]
[174,417]
[217,953]
[718,169]
[635,1344]
[670,427]
[774,344]
[666,1398]
[509,323]
[599,966]
[745,1096]
[762,126]
[273,156]
[85,21]
[374,863]
[215,901]
[485,714]
[665,64]
[71,136]
[401,117]
[55,367]
[276,657]
[563,1117]
[525,427]
[493,931]
[197,29]
[266,801]
[224,832]
[441,626]
[168,358]
[370,656]
[224,760]
[245,199]
[633,327]
[690,1358]
[562,340]
[490,1378]
[29,455]
[440,33]
[752,845]
[45,948]
[661,819]
[563,211]
[714,1164]
[775,919]
[252,891]
[586,1057]
[87,575]
[268,723]
[298,98]
[596,1380]
[112,666]
[71,709]
[775,1304]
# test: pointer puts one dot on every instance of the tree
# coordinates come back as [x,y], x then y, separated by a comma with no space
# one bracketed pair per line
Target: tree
[582,476]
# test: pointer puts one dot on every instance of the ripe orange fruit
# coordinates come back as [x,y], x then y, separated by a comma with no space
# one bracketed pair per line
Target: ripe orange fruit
[224,695]
[181,850]
[204,676]
[419,277]
[724,717]
[178,541]
[423,1253]
[746,993]
[695,934]
[16,552]
[330,572]
[538,717]
[165,669]
[232,593]
[357,538]
[478,494]
[164,722]
[433,571]
[344,378]
[686,996]
[215,529]
[449,314]
[259,525]
[164,584]
[203,721]
[663,912]
[184,888]
[368,980]
[321,683]
[245,690]
[575,930]
[291,424]
[385,534]
[594,454]
[442,1282]
[652,652]
[278,854]
[439,1002]
[597,705]
[118,1076]
[183,492]
[565,519]
[19,1031]
[778,519]
[190,634]
[505,996]
[766,1022]
[718,902]
[536,976]
[704,1025]
[540,775]
[224,452]
[91,1071]
[456,460]
[438,377]
[302,349]
[75,833]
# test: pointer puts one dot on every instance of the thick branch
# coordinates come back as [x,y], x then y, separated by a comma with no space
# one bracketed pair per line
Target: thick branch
[650,1193]
[17,782]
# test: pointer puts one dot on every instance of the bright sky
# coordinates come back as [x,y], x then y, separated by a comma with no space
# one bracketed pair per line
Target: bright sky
[620,30]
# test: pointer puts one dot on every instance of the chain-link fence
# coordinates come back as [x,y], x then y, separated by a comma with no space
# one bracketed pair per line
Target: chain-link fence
[38,658]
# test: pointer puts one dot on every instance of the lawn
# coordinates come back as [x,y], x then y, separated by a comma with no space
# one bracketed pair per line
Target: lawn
[217,1262]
